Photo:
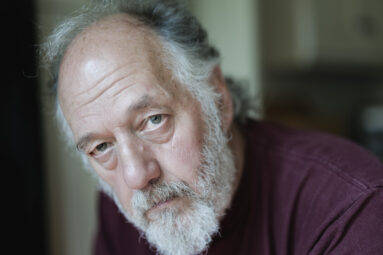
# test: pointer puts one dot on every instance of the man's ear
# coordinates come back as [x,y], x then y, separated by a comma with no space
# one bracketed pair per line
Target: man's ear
[225,104]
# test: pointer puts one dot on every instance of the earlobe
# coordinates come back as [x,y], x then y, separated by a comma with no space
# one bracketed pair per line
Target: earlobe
[226,103]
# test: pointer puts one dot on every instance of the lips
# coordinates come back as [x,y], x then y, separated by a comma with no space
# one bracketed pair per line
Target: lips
[162,202]
[152,213]
[160,197]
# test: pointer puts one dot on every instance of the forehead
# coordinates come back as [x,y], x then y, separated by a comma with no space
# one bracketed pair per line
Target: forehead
[103,48]
[116,50]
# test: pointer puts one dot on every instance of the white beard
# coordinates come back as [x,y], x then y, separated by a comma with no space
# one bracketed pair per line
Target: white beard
[190,233]
[176,230]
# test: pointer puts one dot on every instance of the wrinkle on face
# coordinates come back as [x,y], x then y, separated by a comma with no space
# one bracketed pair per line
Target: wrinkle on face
[91,70]
[92,67]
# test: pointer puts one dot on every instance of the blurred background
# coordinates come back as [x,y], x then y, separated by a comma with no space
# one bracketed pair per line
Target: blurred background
[312,64]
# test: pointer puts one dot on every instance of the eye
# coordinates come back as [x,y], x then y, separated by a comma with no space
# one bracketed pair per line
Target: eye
[157,128]
[102,147]
[156,119]
[154,123]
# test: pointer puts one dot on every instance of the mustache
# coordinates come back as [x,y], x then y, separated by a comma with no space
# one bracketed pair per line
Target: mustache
[157,193]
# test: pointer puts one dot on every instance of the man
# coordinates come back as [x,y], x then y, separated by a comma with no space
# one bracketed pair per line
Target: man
[140,93]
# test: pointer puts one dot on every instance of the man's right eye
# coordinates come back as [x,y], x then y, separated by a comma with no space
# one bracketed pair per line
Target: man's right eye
[104,154]
[102,147]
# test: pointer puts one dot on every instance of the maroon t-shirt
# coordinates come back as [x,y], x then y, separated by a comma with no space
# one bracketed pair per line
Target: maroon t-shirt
[300,193]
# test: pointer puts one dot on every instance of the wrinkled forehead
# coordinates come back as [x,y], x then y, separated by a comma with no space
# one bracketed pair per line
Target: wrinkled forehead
[115,41]
[116,33]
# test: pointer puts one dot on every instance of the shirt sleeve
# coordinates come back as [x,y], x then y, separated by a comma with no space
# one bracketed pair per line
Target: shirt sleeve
[359,230]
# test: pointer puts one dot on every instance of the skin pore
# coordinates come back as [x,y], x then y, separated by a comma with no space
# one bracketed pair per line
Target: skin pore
[136,124]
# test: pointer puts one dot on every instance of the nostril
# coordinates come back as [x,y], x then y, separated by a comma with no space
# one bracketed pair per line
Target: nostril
[154,181]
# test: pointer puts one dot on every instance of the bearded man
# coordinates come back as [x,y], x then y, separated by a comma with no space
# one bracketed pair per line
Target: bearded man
[140,93]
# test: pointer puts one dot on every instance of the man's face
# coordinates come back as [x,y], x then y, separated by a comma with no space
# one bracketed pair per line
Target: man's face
[142,132]
[136,125]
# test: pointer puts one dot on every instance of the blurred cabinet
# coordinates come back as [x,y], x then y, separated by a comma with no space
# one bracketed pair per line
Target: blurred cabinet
[303,33]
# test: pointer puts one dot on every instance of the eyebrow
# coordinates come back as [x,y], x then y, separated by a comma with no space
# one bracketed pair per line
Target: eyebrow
[84,140]
[143,103]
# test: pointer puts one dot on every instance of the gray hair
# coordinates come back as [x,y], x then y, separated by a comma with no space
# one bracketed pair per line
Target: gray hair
[190,56]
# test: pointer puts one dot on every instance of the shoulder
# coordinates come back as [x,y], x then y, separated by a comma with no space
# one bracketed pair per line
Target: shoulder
[334,155]
[323,192]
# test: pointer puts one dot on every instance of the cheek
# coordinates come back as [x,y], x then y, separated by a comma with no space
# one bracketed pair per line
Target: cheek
[116,183]
[186,151]
[124,195]
[183,157]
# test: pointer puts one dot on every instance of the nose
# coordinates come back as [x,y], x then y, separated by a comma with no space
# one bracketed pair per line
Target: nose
[137,165]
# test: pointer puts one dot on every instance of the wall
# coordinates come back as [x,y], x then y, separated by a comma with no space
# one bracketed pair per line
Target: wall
[70,191]
[233,28]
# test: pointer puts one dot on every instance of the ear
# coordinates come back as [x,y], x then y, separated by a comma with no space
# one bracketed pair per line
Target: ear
[225,105]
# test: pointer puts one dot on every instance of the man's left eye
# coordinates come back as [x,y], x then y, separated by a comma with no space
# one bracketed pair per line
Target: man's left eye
[154,123]
[156,119]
